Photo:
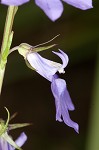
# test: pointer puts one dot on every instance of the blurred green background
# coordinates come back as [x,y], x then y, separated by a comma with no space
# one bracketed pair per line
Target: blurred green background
[27,93]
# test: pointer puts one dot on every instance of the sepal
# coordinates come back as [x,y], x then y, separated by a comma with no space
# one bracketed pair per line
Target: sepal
[18,125]
[25,49]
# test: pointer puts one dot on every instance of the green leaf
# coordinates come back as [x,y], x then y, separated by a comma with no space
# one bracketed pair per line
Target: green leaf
[5,53]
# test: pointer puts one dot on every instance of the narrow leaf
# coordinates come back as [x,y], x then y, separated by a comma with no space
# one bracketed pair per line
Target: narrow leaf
[18,125]
[6,52]
[38,49]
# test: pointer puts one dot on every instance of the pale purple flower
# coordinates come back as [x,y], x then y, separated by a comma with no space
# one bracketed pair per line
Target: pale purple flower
[21,139]
[4,145]
[63,102]
[14,2]
[45,67]
[48,69]
[54,8]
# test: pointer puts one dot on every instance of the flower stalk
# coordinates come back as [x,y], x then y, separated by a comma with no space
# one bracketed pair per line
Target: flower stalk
[7,41]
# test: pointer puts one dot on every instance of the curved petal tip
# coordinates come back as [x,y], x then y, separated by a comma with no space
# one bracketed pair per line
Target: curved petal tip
[81,4]
[53,9]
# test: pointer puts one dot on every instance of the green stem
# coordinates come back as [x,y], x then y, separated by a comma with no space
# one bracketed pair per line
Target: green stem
[7,32]
[93,135]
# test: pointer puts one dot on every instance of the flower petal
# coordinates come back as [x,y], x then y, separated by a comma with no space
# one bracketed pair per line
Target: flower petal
[64,58]
[3,144]
[21,139]
[82,4]
[14,2]
[45,67]
[63,102]
[59,87]
[41,65]
[52,8]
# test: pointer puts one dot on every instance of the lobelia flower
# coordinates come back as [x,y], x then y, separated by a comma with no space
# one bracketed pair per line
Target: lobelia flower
[54,8]
[48,69]
[4,145]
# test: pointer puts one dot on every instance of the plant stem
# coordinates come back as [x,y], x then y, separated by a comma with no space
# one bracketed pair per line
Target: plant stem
[7,32]
[93,135]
